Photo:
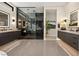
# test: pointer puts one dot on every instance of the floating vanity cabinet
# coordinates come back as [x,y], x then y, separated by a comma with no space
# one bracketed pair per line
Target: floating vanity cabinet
[60,34]
[74,40]
[7,37]
[70,38]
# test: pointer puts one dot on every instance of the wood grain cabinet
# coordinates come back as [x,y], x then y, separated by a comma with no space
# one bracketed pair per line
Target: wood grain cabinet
[8,37]
[69,38]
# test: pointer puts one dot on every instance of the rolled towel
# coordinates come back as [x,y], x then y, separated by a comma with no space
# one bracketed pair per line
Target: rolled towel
[2,53]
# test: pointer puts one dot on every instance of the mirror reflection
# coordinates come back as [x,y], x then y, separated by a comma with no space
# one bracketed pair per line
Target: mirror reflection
[3,19]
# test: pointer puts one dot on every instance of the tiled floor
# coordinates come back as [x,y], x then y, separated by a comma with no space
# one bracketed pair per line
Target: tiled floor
[50,37]
[38,48]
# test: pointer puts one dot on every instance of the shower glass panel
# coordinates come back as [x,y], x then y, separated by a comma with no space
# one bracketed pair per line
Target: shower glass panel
[32,24]
[35,22]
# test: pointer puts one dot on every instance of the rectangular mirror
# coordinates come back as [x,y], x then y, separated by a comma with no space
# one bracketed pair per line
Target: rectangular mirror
[21,19]
[4,19]
[74,18]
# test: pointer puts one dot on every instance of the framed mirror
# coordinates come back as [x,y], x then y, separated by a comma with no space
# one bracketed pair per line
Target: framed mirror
[74,18]
[4,19]
[21,19]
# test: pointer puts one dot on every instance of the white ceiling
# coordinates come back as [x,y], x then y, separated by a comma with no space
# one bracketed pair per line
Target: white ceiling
[32,10]
[38,4]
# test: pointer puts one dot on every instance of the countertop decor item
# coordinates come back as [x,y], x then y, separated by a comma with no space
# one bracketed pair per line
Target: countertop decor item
[50,25]
[63,24]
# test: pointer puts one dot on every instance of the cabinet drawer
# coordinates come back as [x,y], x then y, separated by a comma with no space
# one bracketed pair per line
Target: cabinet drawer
[4,40]
[60,34]
[3,34]
[71,39]
[8,37]
[74,41]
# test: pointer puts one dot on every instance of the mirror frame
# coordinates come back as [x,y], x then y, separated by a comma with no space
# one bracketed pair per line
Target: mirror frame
[23,15]
[71,13]
[8,18]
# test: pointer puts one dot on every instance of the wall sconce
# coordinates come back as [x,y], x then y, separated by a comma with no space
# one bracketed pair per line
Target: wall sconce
[13,20]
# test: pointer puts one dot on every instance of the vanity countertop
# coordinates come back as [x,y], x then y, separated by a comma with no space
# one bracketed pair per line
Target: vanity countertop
[8,31]
[73,32]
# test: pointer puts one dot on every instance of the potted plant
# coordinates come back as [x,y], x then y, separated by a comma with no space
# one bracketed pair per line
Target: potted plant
[47,26]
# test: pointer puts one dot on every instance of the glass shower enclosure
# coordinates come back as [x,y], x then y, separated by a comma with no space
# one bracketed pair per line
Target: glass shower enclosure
[34,20]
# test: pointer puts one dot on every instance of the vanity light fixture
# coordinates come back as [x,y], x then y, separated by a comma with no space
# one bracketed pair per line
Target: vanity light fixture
[13,20]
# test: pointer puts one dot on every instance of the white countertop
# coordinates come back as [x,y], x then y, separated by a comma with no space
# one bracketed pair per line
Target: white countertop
[73,32]
[8,31]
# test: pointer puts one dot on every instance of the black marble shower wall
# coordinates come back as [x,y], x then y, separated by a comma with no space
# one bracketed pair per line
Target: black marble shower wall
[39,23]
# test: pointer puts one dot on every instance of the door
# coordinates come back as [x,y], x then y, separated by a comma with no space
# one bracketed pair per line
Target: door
[50,24]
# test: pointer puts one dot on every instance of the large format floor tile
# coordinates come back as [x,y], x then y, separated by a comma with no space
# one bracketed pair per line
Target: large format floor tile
[38,48]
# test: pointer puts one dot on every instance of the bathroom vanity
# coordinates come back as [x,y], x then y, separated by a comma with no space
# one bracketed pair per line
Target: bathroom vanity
[8,36]
[6,33]
[70,37]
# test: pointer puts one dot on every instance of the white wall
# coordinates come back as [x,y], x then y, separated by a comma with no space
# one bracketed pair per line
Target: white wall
[51,15]
[60,14]
[70,7]
[7,9]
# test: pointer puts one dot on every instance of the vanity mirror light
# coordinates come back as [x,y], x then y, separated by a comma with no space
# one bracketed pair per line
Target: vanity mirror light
[4,19]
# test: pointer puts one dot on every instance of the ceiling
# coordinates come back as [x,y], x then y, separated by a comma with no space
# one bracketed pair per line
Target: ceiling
[39,4]
[32,10]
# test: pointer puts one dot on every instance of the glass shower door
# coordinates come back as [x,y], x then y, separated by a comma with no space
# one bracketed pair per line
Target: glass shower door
[32,25]
[35,22]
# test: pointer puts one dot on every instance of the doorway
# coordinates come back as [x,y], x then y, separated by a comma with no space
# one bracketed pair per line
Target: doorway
[50,24]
